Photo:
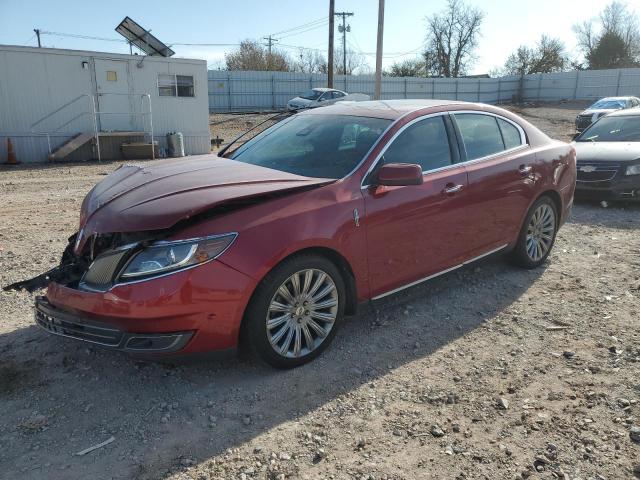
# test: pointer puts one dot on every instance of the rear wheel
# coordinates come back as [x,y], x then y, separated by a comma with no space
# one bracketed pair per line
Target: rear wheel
[538,234]
[295,311]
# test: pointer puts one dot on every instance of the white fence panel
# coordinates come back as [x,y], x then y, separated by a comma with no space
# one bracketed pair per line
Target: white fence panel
[236,91]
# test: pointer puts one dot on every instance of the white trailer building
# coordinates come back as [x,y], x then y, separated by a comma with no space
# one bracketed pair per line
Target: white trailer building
[76,105]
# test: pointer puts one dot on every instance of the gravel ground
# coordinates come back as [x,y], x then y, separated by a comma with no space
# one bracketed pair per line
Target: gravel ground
[490,372]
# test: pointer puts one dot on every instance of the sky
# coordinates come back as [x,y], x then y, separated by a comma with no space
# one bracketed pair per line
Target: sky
[508,24]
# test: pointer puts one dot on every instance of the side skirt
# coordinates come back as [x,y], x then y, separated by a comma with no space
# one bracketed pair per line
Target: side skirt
[467,262]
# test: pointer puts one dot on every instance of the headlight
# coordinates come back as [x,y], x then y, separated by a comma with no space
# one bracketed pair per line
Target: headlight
[633,170]
[162,257]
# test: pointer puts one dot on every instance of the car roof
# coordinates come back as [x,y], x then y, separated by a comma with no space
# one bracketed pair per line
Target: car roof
[615,98]
[322,89]
[389,109]
[628,112]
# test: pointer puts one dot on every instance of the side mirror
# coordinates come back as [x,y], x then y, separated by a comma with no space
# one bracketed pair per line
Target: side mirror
[400,174]
[575,135]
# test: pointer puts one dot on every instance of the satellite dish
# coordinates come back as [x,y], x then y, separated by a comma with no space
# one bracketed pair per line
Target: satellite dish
[141,38]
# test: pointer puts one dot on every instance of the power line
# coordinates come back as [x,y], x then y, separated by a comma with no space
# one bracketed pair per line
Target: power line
[322,19]
[180,44]
[82,37]
[388,55]
[320,25]
[204,44]
[30,38]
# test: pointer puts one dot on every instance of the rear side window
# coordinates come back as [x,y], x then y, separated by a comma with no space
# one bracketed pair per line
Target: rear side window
[510,134]
[480,134]
[425,142]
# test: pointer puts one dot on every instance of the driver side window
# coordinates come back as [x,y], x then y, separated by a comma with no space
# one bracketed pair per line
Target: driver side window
[425,143]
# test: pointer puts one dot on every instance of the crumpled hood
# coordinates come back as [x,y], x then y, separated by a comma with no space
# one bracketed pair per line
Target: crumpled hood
[607,151]
[157,196]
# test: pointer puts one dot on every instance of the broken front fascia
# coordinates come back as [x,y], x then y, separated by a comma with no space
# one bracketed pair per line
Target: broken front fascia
[70,269]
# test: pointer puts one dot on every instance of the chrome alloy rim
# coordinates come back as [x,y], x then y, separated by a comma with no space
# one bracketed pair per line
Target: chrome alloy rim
[302,312]
[540,232]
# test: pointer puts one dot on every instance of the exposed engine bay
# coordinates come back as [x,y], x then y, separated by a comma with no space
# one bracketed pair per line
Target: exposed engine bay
[73,267]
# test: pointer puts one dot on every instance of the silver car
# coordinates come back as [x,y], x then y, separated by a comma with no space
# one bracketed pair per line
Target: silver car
[316,97]
[602,107]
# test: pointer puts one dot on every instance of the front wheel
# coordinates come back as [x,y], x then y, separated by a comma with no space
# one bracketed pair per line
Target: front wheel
[537,235]
[295,311]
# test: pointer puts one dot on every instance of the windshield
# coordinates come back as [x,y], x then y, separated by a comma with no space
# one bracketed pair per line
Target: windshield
[608,104]
[311,94]
[319,146]
[613,129]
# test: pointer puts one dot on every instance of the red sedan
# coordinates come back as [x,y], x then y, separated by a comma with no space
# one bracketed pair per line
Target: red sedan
[274,242]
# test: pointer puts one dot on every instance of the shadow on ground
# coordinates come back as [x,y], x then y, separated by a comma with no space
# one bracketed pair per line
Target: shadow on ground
[161,414]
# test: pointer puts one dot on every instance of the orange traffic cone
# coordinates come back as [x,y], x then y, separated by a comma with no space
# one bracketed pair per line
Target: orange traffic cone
[11,157]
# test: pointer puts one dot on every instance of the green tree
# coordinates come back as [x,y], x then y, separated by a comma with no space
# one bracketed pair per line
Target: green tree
[548,55]
[610,51]
[612,40]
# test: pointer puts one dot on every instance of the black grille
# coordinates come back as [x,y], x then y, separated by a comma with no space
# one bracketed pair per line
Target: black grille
[103,269]
[596,174]
[583,121]
[61,324]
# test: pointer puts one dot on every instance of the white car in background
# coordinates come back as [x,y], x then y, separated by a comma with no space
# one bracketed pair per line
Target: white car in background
[319,97]
[601,108]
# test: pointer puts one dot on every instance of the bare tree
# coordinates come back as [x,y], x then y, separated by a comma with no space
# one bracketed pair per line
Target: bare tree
[311,61]
[452,37]
[548,55]
[356,63]
[612,40]
[407,68]
[253,56]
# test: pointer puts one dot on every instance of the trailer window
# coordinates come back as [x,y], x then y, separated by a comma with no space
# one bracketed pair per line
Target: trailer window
[176,86]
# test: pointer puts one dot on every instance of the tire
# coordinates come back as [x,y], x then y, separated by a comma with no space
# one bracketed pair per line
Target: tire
[537,235]
[293,336]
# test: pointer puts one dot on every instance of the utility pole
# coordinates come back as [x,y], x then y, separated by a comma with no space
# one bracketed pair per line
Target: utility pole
[37,30]
[270,41]
[344,28]
[376,95]
[332,6]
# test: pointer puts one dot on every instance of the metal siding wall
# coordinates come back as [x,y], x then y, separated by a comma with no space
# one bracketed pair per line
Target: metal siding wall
[257,91]
[35,82]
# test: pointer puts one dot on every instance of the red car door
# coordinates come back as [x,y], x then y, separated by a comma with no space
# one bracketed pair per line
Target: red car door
[500,167]
[414,231]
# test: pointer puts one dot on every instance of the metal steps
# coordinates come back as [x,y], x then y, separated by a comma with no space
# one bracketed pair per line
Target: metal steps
[70,146]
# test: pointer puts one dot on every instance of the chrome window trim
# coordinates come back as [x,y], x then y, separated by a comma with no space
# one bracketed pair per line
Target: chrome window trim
[494,155]
[392,139]
[375,144]
[447,270]
[523,135]
[522,146]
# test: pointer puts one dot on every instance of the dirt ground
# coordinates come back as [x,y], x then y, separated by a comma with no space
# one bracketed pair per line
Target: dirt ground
[490,372]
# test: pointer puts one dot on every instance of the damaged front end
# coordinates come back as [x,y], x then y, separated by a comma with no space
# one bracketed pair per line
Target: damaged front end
[70,269]
[96,265]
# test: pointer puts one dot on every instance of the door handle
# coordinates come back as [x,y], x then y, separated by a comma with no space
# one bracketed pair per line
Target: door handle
[525,169]
[451,188]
